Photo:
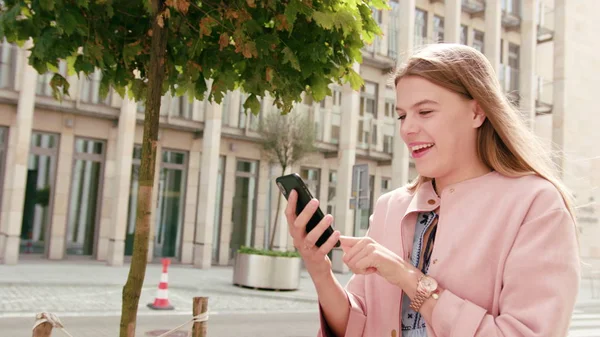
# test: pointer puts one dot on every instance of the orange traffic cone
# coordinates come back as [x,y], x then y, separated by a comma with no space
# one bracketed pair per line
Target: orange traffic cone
[161,302]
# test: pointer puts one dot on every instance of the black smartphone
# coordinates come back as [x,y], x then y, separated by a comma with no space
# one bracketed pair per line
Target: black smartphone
[293,181]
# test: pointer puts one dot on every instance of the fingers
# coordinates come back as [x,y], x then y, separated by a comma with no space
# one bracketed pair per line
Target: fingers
[330,243]
[306,214]
[290,210]
[313,236]
[350,253]
[349,242]
[365,251]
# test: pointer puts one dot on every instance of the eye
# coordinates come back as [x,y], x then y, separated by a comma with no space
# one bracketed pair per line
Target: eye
[425,112]
[402,117]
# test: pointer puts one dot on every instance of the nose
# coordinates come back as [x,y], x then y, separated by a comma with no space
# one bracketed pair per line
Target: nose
[408,126]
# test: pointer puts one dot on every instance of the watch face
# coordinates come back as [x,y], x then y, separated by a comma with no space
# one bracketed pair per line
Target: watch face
[429,284]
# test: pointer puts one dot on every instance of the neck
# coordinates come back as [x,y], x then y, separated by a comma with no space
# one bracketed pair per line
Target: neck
[461,175]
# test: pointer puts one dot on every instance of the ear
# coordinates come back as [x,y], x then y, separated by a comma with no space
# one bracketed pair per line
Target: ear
[478,115]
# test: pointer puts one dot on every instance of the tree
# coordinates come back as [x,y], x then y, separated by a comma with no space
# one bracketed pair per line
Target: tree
[286,139]
[146,48]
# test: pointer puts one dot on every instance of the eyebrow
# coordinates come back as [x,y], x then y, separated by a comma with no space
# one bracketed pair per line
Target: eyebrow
[419,103]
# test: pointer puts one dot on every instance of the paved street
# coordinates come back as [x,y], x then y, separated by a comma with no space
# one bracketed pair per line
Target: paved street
[87,298]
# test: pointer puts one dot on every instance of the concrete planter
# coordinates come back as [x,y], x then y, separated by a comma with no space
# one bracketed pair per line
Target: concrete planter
[267,272]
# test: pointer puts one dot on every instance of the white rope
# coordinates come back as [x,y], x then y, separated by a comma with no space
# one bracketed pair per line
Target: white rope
[46,317]
[196,319]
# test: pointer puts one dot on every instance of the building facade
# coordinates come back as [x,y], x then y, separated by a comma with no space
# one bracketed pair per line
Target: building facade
[69,170]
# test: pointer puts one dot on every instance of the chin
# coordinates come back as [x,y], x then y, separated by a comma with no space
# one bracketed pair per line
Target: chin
[428,172]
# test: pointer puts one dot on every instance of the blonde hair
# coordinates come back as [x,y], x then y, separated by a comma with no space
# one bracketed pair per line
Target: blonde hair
[504,142]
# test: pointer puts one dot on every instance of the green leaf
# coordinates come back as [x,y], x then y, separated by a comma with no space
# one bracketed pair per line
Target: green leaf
[290,57]
[324,20]
[131,50]
[47,5]
[83,65]
[318,88]
[82,3]
[354,78]
[68,22]
[252,104]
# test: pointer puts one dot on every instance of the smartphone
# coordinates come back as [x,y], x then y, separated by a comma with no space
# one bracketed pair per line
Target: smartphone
[293,181]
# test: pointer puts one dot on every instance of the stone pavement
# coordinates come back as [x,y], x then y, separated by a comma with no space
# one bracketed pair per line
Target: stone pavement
[91,288]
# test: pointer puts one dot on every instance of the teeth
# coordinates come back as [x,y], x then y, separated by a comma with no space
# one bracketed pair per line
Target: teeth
[422,146]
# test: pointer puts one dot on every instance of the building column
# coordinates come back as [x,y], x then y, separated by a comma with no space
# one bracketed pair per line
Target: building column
[17,156]
[453,13]
[58,227]
[190,215]
[559,92]
[493,31]
[344,221]
[211,141]
[122,181]
[106,221]
[405,44]
[527,76]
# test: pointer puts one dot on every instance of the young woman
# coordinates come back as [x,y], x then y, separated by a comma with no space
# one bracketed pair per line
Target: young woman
[482,243]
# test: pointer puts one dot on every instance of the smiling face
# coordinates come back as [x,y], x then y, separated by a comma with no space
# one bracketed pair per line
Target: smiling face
[439,127]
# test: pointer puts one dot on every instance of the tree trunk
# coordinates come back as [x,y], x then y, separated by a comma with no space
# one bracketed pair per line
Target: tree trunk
[276,215]
[200,307]
[137,270]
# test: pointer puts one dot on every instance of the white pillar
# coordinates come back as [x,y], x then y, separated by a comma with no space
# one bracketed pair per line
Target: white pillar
[559,93]
[344,221]
[208,187]
[122,181]
[405,43]
[17,155]
[453,12]
[493,30]
[527,75]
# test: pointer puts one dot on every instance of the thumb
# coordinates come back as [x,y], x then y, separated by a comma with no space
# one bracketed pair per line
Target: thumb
[348,241]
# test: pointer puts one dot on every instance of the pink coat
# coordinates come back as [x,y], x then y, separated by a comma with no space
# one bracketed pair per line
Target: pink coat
[506,252]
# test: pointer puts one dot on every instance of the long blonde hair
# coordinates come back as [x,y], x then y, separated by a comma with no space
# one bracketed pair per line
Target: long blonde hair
[504,142]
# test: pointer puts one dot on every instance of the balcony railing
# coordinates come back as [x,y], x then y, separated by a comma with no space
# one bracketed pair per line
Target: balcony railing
[544,96]
[545,23]
[8,65]
[473,7]
[511,13]
[509,80]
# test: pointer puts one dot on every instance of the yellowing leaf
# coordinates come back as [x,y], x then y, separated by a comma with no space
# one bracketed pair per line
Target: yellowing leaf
[223,41]
[290,57]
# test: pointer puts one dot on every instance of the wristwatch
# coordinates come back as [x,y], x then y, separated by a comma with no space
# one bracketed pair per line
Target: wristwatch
[426,287]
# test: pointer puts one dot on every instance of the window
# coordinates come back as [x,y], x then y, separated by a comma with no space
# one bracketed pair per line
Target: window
[393,29]
[85,196]
[3,141]
[311,177]
[8,65]
[331,191]
[183,107]
[244,206]
[420,27]
[438,28]
[218,211]
[90,89]
[463,34]
[368,111]
[386,185]
[39,192]
[336,115]
[478,40]
[43,81]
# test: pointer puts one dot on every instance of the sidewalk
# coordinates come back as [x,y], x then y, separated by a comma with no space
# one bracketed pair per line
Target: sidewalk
[91,288]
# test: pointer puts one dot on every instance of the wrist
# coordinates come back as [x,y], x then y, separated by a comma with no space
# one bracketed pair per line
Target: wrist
[321,277]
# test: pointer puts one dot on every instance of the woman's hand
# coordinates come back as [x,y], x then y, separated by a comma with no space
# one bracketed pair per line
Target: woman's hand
[315,258]
[364,255]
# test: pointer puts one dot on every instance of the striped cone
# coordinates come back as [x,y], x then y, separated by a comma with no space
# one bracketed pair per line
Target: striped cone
[161,302]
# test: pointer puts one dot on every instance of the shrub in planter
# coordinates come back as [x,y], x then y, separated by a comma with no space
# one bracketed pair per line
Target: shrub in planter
[267,269]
